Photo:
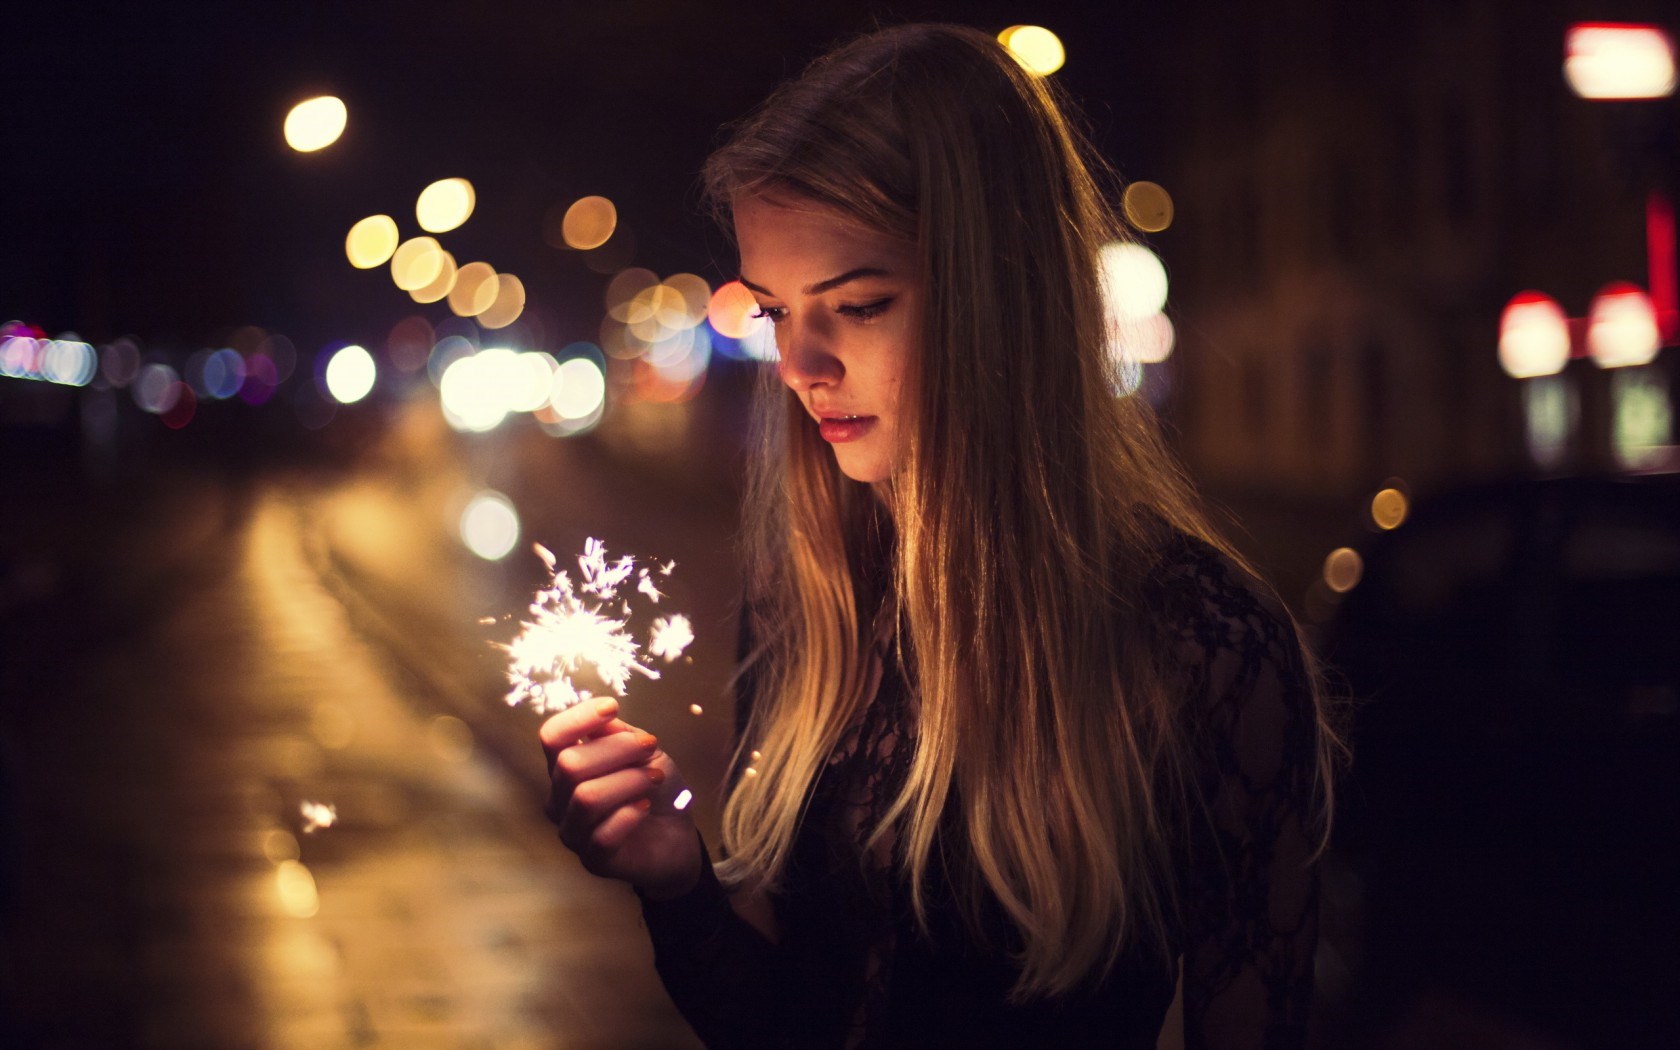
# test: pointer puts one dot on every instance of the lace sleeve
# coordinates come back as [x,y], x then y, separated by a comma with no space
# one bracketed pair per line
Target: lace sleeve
[726,978]
[1250,893]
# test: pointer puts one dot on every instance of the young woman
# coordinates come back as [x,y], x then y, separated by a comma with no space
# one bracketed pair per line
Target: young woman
[1021,741]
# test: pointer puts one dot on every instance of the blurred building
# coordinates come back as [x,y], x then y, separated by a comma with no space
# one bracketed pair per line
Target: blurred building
[1360,193]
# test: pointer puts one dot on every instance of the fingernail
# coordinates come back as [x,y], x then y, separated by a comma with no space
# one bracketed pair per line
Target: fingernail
[646,740]
[607,708]
[656,775]
[645,804]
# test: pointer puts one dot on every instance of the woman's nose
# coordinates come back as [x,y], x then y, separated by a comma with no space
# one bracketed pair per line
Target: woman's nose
[805,359]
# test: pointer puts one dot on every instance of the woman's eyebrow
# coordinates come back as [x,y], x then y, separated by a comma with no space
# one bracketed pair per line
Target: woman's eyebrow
[830,284]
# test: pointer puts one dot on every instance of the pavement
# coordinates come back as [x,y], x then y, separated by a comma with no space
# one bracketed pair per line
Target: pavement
[192,654]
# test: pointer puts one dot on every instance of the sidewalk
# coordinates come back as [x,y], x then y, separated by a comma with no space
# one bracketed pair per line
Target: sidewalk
[182,687]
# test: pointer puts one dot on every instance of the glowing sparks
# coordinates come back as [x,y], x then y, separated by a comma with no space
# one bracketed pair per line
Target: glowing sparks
[670,637]
[577,640]
[317,815]
[645,585]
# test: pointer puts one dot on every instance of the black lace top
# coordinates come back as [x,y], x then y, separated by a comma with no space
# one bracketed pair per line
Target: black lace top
[852,969]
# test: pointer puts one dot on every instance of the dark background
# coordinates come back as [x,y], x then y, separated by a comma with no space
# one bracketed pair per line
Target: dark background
[202,627]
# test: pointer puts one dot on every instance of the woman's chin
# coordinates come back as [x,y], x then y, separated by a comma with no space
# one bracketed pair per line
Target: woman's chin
[864,470]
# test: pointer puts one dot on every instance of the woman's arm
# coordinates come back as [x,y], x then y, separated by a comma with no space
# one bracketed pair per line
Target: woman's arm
[715,952]
[723,973]
[1251,892]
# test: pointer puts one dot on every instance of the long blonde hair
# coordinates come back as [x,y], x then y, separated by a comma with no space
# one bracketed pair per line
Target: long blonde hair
[1011,561]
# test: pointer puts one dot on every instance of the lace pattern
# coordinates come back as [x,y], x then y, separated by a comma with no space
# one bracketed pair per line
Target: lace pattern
[852,969]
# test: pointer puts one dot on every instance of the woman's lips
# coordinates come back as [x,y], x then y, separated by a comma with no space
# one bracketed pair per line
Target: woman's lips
[849,428]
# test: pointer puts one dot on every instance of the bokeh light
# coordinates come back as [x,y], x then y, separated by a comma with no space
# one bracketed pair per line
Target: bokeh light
[20,357]
[296,888]
[696,294]
[1389,508]
[1608,61]
[371,242]
[350,374]
[625,299]
[183,405]
[1037,49]
[445,205]
[731,311]
[156,388]
[589,223]
[1622,327]
[222,374]
[120,362]
[261,380]
[1134,281]
[530,392]
[1533,336]
[315,123]
[508,304]
[1143,340]
[475,289]
[479,390]
[449,349]
[441,285]
[1343,568]
[68,361]
[490,525]
[279,349]
[1147,206]
[416,263]
[580,389]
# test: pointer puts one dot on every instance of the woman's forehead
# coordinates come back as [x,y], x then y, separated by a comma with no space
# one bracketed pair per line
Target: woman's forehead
[800,234]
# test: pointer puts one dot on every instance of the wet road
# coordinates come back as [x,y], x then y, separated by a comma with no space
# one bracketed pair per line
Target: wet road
[192,654]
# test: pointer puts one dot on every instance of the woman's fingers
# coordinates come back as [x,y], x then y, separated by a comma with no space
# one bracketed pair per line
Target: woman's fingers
[601,755]
[593,801]
[620,823]
[580,722]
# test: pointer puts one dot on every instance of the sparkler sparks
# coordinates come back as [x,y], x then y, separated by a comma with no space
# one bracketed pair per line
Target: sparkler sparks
[318,815]
[577,640]
[670,637]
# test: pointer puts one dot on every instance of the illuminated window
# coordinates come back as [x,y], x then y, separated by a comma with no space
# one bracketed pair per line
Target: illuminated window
[1552,410]
[1644,416]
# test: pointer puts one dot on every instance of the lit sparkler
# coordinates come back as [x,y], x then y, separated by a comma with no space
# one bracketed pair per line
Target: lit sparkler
[578,641]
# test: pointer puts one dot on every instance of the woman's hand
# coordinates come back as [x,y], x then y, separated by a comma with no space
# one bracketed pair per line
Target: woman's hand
[602,772]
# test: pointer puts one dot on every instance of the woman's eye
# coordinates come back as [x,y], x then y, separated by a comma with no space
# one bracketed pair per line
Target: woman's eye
[865,311]
[774,314]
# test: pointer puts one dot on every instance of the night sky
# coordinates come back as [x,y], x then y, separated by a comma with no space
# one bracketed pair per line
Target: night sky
[147,189]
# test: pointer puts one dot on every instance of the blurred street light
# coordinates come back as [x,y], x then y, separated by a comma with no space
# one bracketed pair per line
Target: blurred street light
[490,525]
[1618,61]
[315,123]
[371,241]
[1622,327]
[1037,49]
[445,205]
[1533,336]
[350,374]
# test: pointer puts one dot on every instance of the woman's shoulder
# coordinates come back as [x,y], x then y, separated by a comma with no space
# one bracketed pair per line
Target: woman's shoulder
[1211,612]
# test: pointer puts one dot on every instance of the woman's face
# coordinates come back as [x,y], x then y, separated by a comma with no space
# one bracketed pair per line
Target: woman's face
[847,306]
